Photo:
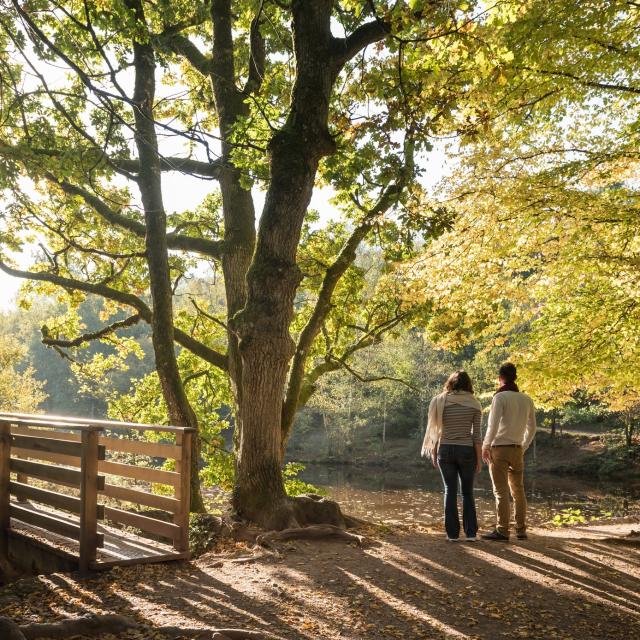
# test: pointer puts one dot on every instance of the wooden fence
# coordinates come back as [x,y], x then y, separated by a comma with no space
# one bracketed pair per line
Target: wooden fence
[79,453]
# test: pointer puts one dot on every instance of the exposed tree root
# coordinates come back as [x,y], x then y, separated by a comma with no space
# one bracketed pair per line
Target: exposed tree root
[313,532]
[314,509]
[303,511]
[305,517]
[95,626]
[352,522]
[257,554]
[89,625]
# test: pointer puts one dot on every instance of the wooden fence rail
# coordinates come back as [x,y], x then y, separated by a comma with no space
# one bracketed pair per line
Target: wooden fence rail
[86,455]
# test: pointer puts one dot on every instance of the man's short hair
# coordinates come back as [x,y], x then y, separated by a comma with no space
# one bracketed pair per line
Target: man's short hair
[508,372]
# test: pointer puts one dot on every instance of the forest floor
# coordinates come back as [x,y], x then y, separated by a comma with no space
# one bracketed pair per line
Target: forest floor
[570,583]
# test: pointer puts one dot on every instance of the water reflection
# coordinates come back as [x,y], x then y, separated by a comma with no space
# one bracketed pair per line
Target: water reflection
[414,494]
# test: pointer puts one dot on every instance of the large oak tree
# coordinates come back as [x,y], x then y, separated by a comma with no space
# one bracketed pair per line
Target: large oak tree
[101,99]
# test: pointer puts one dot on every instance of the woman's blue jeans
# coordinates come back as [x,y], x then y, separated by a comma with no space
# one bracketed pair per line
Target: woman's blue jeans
[458,461]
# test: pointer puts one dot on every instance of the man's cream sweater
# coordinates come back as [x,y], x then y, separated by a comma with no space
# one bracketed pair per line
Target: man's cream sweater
[512,420]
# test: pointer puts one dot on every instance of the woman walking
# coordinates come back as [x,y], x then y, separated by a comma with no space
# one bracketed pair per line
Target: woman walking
[453,441]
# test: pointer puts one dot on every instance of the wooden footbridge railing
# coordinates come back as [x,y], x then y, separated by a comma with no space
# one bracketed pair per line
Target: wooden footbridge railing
[95,462]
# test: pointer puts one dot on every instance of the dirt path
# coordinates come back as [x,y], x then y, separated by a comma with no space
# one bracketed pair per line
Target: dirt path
[557,585]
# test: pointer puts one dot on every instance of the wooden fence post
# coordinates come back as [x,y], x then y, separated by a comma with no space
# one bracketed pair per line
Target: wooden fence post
[22,477]
[5,457]
[183,490]
[89,499]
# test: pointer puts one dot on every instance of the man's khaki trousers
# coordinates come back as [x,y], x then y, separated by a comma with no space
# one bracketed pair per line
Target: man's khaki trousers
[507,475]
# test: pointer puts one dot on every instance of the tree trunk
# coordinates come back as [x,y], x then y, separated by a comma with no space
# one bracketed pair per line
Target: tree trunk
[628,429]
[150,184]
[238,208]
[384,425]
[261,277]
[266,346]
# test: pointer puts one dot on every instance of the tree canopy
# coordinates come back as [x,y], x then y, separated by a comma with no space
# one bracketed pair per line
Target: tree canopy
[543,257]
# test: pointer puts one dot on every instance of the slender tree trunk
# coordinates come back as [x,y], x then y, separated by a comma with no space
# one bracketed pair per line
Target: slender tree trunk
[150,184]
[238,208]
[628,428]
[384,425]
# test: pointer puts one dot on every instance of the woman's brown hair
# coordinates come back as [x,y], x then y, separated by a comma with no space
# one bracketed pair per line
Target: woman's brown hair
[458,381]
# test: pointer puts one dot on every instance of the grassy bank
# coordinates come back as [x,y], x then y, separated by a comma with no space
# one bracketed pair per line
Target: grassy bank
[587,455]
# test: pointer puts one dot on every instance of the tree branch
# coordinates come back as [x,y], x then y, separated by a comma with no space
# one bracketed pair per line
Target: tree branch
[182,46]
[257,55]
[363,378]
[184,339]
[333,363]
[364,35]
[332,276]
[204,246]
[88,337]
[189,166]
[71,284]
[200,349]
[583,81]
[82,75]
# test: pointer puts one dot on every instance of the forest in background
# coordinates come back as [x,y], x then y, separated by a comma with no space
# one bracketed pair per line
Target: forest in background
[372,412]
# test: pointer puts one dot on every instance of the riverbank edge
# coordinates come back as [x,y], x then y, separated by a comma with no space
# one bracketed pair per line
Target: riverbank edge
[562,455]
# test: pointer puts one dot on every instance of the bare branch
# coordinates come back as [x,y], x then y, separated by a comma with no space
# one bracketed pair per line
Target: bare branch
[584,81]
[71,284]
[82,75]
[100,49]
[333,363]
[183,165]
[188,166]
[213,319]
[88,337]
[184,339]
[362,378]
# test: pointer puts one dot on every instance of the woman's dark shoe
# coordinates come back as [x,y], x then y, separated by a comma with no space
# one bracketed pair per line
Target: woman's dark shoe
[495,535]
[521,535]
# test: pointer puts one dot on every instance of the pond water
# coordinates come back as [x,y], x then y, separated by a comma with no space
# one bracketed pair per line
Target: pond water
[414,495]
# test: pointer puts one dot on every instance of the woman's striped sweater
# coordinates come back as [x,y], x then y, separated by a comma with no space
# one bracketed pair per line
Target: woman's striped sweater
[461,425]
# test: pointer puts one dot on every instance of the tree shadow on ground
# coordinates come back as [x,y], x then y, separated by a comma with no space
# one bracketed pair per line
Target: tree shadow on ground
[410,586]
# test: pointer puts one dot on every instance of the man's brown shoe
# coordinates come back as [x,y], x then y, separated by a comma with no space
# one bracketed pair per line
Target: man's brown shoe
[521,535]
[495,535]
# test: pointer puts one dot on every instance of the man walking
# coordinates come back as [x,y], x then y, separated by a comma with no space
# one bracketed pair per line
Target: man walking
[512,426]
